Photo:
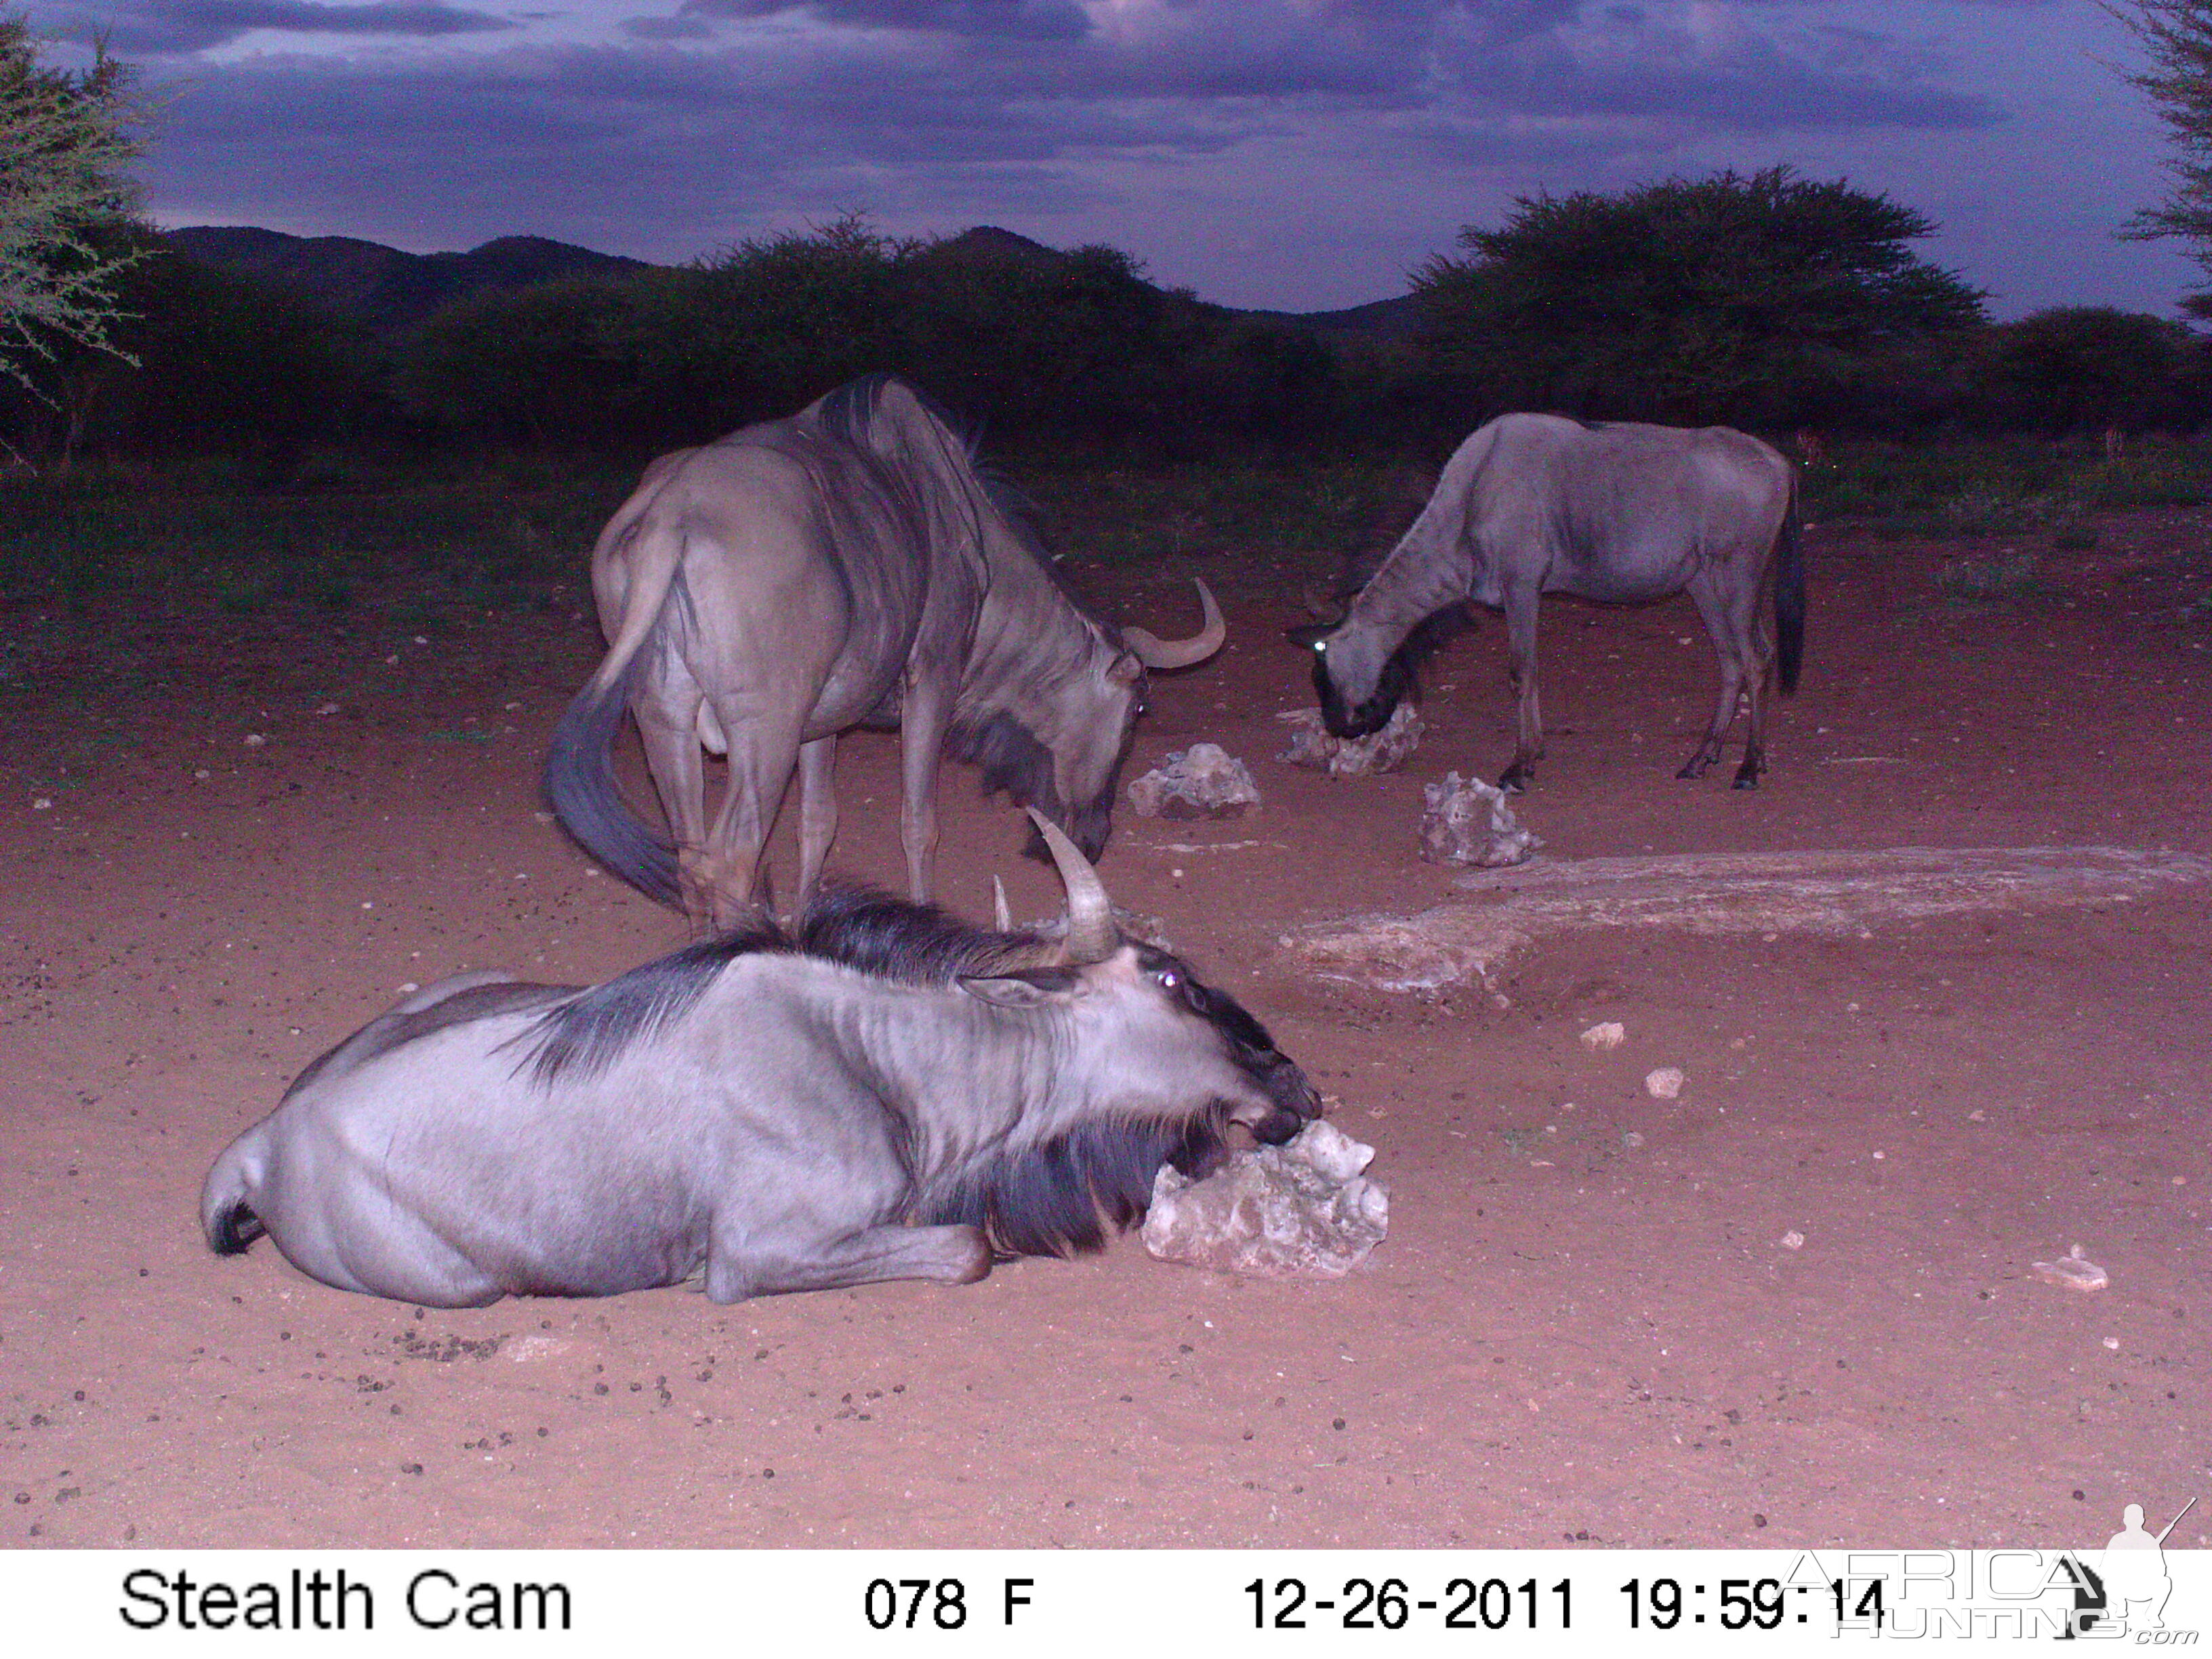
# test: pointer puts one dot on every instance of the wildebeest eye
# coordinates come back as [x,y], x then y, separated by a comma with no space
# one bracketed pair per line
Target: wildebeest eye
[1167,979]
[1321,648]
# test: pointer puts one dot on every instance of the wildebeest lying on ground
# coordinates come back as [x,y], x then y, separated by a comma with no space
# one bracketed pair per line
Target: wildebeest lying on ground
[850,566]
[887,1093]
[1533,504]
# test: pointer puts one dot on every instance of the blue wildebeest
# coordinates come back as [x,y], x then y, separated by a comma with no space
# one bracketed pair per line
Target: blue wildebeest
[850,566]
[1533,504]
[887,1093]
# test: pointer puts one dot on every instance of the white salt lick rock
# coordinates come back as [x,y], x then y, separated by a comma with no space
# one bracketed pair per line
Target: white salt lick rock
[1300,1209]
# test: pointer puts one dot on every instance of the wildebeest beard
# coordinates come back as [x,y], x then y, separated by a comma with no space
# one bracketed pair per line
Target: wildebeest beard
[1401,675]
[1011,760]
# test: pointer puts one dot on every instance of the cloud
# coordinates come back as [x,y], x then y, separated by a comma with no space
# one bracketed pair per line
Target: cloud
[677,131]
[170,28]
[1012,20]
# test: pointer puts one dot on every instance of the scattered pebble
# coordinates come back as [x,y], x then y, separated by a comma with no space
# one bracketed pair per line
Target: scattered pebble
[1632,1139]
[1666,1084]
[1977,1115]
[45,803]
[254,740]
[2113,1343]
[1793,1240]
[2076,1272]
[1608,1035]
[326,709]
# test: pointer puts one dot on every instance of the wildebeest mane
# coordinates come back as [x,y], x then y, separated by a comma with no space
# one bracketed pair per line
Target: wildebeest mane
[1070,1195]
[865,928]
[848,414]
[585,1035]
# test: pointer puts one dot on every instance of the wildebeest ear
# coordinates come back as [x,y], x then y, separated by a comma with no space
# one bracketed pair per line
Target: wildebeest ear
[1033,988]
[1308,634]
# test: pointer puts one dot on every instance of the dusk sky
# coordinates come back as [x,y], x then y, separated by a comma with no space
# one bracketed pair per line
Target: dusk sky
[1293,154]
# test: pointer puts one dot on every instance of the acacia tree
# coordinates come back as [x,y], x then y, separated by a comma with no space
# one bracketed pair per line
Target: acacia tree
[66,203]
[1759,301]
[2177,37]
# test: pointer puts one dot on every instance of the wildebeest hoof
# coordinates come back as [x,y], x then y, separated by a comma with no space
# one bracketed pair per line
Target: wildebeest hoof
[1746,778]
[1516,780]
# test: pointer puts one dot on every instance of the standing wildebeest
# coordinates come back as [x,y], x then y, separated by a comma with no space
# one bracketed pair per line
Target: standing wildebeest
[888,1094]
[1538,504]
[847,567]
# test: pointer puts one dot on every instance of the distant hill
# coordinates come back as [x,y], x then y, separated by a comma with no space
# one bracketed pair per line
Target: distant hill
[389,290]
[1394,318]
[386,288]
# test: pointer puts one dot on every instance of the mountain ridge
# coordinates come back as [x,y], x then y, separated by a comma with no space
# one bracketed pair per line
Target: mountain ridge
[389,289]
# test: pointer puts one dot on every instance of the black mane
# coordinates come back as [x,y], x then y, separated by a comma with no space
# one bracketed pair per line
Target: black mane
[1071,1194]
[897,939]
[586,1034]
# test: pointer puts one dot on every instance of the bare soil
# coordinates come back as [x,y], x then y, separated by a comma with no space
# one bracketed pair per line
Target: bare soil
[1585,1326]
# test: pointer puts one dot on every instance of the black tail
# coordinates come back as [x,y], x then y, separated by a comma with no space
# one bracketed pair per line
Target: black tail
[232,1228]
[1789,597]
[581,787]
[227,1218]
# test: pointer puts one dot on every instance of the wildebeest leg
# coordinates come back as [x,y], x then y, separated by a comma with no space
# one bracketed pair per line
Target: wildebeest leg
[667,724]
[1759,683]
[950,1255]
[763,750]
[1521,661]
[921,749]
[817,811]
[1731,647]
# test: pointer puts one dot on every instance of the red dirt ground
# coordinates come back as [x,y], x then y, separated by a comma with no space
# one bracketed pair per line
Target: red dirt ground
[1566,1337]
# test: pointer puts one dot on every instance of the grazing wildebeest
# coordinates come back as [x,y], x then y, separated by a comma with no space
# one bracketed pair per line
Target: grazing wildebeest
[886,1094]
[847,567]
[1534,504]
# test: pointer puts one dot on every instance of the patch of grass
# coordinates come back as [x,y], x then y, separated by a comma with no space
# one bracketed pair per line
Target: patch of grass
[423,539]
[2001,486]
[1994,582]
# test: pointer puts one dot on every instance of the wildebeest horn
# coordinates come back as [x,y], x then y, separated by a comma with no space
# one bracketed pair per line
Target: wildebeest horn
[1092,935]
[1002,914]
[1154,651]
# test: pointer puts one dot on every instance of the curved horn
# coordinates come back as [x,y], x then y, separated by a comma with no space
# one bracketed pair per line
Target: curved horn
[1092,935]
[1152,651]
[1002,914]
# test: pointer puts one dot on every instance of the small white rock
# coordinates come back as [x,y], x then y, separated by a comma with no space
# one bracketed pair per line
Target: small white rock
[254,740]
[327,709]
[2074,1271]
[1665,1082]
[44,804]
[1609,1034]
[1793,1240]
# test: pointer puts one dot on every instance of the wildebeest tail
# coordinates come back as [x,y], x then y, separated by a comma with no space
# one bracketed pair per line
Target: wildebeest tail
[580,770]
[581,789]
[225,1217]
[1789,596]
